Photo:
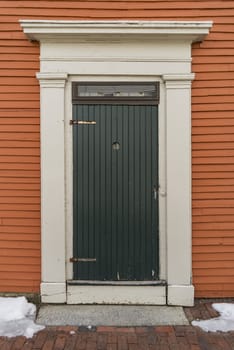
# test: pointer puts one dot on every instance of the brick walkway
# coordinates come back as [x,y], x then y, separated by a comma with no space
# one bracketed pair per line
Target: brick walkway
[132,338]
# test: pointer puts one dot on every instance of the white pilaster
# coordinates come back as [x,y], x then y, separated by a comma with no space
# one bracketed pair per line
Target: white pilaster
[52,186]
[178,169]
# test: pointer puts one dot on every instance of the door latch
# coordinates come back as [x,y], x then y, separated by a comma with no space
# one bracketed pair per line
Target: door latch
[155,193]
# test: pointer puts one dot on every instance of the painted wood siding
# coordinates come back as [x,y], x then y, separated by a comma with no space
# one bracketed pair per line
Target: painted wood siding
[19,158]
[212,135]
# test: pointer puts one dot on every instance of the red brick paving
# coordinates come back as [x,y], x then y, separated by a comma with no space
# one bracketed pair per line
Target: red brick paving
[128,338]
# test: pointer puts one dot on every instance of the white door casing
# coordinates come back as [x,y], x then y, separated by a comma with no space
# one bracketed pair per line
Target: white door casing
[116,51]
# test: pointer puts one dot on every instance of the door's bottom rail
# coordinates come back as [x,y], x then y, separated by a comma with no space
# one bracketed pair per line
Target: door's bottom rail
[117,283]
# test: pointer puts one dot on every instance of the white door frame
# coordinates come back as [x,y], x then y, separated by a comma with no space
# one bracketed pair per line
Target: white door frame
[116,51]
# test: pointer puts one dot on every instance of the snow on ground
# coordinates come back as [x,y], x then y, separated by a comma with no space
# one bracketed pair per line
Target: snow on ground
[223,323]
[17,317]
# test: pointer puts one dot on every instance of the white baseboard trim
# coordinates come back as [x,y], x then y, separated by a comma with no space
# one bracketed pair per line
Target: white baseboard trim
[135,295]
[177,295]
[180,295]
[53,293]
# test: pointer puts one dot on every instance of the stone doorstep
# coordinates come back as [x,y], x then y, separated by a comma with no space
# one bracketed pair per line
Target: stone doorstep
[110,315]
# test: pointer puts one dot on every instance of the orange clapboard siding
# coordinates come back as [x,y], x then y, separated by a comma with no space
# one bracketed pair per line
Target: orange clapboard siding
[218,203]
[21,200]
[22,245]
[19,186]
[18,214]
[199,183]
[19,253]
[221,288]
[212,266]
[15,207]
[20,175]
[213,249]
[138,4]
[200,234]
[213,122]
[19,136]
[212,135]
[32,276]
[213,292]
[213,218]
[213,241]
[21,230]
[20,269]
[217,256]
[212,145]
[210,279]
[23,89]
[212,273]
[19,166]
[199,212]
[23,237]
[214,61]
[212,115]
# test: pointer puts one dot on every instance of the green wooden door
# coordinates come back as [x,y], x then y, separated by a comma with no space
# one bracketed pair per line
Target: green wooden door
[115,160]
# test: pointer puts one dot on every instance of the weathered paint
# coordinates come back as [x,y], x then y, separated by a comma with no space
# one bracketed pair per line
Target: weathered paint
[143,295]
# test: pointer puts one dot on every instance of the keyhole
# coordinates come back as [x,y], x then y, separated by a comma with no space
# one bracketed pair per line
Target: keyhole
[116,146]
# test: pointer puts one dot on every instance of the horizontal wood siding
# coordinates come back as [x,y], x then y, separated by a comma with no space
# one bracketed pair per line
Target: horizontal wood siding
[212,135]
[19,159]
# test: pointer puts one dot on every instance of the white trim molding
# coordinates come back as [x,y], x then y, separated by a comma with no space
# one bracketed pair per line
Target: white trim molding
[180,295]
[99,30]
[137,295]
[178,174]
[124,51]
[53,287]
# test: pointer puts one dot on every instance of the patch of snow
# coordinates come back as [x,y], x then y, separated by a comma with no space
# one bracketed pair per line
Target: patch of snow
[17,318]
[223,323]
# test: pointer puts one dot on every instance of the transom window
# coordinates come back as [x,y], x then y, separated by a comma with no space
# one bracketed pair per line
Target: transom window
[145,93]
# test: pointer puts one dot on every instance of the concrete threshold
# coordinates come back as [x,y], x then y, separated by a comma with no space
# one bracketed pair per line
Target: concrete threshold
[111,315]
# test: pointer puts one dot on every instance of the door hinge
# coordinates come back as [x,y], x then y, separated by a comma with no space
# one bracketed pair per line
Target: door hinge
[73,260]
[82,122]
